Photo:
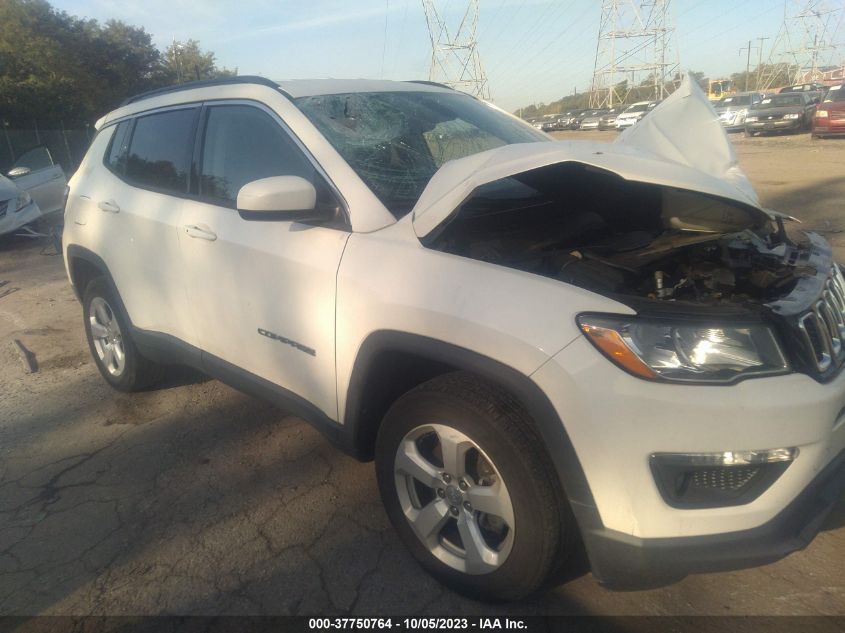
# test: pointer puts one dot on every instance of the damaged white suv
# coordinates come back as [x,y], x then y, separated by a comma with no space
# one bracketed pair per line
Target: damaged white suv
[547,347]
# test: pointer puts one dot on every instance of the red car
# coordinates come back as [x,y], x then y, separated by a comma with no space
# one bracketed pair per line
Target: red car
[830,115]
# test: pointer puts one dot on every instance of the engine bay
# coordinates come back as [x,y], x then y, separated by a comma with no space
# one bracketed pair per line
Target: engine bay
[595,230]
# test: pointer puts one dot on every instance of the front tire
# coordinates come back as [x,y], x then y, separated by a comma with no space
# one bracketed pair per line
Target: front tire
[109,339]
[470,490]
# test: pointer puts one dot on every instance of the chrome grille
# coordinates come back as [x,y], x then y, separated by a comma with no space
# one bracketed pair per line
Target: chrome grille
[823,327]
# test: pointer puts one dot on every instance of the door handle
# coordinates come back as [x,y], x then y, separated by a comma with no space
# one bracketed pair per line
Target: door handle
[109,206]
[200,231]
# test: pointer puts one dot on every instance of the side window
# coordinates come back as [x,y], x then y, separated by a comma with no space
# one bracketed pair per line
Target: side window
[243,144]
[34,159]
[160,150]
[116,156]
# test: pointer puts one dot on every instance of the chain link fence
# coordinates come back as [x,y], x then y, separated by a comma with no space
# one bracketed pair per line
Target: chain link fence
[67,146]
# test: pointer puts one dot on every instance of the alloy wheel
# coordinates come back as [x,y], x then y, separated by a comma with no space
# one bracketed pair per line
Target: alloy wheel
[454,499]
[106,336]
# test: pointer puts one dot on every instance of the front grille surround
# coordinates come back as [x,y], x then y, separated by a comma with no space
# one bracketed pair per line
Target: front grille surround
[822,328]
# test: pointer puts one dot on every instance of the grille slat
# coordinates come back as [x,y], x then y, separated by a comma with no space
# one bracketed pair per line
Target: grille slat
[823,328]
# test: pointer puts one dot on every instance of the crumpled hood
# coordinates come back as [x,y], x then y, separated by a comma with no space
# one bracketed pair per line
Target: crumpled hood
[680,144]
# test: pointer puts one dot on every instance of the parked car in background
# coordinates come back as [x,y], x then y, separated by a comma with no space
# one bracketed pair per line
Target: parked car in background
[811,87]
[577,117]
[783,112]
[634,113]
[829,119]
[607,121]
[732,110]
[34,186]
[591,120]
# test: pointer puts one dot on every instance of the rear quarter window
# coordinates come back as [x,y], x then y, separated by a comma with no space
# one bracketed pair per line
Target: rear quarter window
[160,150]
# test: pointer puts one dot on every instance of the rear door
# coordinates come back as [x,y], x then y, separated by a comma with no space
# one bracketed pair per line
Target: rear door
[136,211]
[36,173]
[261,292]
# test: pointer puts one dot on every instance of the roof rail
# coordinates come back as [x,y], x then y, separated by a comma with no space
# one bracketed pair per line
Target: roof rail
[429,83]
[238,79]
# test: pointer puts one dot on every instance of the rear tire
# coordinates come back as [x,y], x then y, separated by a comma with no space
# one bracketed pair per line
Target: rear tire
[499,464]
[110,342]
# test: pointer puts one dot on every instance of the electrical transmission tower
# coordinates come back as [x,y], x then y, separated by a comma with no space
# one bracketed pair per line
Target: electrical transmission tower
[635,51]
[809,44]
[454,51]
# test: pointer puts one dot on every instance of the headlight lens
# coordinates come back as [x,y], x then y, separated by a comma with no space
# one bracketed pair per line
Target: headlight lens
[685,352]
[751,119]
[23,200]
[794,115]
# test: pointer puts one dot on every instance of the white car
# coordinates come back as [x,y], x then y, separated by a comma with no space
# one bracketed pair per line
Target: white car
[733,109]
[33,187]
[541,344]
[633,113]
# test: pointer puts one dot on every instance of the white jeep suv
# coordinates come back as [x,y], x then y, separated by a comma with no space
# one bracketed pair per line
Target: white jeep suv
[547,347]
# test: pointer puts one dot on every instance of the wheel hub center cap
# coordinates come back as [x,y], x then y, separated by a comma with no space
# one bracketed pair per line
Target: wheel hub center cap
[454,496]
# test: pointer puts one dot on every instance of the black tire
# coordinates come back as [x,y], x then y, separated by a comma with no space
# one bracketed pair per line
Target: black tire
[137,372]
[544,531]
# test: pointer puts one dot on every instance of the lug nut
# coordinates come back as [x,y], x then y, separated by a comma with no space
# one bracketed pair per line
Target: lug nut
[463,485]
[441,493]
[447,477]
[453,510]
[467,506]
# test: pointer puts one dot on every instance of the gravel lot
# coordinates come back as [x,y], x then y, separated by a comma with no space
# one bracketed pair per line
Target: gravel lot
[196,499]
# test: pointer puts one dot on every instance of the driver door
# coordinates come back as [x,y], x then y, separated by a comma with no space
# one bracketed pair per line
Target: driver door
[36,173]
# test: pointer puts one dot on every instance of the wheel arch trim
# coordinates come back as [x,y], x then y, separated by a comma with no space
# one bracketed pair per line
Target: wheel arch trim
[548,424]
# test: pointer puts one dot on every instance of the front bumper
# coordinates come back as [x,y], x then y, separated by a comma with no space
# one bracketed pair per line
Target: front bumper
[616,422]
[625,562]
[777,125]
[13,220]
[833,127]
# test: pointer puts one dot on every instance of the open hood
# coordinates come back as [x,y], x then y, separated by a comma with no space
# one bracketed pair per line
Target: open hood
[681,144]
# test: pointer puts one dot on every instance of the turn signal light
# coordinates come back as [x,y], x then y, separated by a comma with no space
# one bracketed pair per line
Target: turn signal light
[611,344]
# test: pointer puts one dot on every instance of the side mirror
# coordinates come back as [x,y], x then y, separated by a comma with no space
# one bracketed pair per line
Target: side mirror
[17,172]
[278,198]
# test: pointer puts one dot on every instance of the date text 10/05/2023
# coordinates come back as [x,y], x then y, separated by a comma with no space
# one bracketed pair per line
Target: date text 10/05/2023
[417,624]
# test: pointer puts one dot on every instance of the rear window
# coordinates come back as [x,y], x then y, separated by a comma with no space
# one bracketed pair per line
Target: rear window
[836,93]
[160,150]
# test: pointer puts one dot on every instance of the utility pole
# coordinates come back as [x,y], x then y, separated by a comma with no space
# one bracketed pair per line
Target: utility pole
[759,61]
[747,62]
[635,43]
[454,51]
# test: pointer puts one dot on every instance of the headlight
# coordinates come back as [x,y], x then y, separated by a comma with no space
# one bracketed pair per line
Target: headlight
[751,119]
[794,115]
[822,114]
[23,200]
[685,351]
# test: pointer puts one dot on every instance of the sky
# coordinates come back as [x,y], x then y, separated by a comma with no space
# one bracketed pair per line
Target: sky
[533,51]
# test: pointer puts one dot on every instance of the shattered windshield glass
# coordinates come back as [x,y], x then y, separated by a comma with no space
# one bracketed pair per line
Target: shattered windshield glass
[396,141]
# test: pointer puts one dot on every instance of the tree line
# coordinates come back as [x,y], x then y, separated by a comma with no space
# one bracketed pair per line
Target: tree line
[60,70]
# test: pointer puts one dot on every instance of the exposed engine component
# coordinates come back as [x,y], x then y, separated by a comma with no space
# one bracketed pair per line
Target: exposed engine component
[627,238]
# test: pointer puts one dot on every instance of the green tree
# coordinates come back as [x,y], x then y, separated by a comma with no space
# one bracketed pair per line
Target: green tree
[185,61]
[57,68]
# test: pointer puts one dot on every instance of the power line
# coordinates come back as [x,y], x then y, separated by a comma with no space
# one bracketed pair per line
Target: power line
[807,44]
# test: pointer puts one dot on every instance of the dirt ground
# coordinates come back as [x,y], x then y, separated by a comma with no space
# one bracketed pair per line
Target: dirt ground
[195,499]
